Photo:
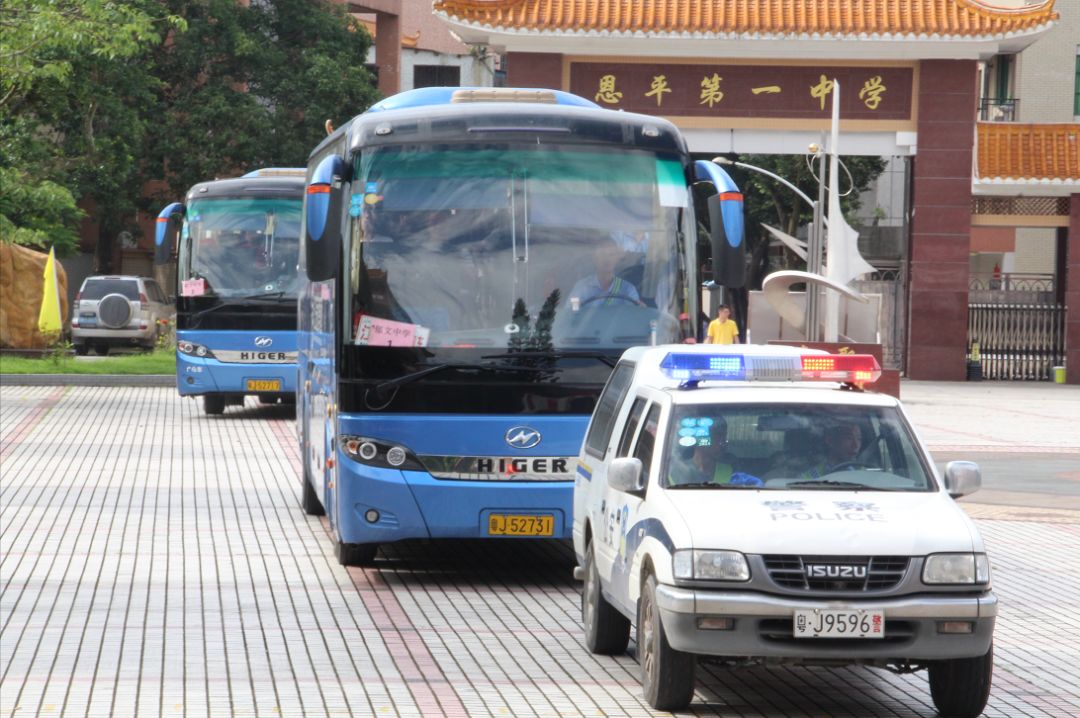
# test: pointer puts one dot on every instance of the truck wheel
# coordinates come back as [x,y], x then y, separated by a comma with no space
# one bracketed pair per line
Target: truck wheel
[355,554]
[667,675]
[213,403]
[309,500]
[102,350]
[82,349]
[960,687]
[607,631]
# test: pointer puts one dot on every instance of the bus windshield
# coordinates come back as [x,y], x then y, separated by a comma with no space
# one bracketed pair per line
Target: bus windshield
[242,246]
[517,247]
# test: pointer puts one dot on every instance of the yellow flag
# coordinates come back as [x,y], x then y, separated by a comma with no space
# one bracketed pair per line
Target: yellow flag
[49,316]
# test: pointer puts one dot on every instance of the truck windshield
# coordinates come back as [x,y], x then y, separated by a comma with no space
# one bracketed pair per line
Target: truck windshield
[792,447]
[517,247]
[242,246]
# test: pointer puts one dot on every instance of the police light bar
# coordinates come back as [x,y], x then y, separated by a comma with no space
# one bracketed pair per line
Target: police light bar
[693,368]
[853,368]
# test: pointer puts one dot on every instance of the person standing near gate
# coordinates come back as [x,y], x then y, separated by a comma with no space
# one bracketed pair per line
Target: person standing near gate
[723,329]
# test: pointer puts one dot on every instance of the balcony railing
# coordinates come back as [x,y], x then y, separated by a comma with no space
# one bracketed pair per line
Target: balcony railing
[992,109]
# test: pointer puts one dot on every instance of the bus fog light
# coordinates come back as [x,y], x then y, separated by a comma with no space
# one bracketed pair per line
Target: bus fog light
[956,627]
[395,456]
[715,623]
[371,515]
[367,451]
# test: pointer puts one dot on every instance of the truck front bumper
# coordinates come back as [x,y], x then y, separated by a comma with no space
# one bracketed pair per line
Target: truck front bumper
[762,626]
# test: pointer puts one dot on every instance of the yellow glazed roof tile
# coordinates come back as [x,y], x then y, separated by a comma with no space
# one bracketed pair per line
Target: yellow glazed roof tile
[1008,150]
[942,18]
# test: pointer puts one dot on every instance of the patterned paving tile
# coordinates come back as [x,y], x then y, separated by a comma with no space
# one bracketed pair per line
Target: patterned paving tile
[154,561]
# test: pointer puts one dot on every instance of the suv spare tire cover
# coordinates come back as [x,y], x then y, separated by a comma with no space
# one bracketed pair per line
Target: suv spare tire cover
[114,311]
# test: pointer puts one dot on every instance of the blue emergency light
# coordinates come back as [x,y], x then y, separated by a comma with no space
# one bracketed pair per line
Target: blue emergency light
[704,367]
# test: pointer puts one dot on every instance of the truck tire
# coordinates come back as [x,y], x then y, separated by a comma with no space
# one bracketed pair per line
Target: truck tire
[355,554]
[607,632]
[667,675]
[213,403]
[960,687]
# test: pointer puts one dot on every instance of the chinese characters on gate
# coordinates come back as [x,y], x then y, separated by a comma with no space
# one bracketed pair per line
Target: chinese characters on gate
[873,93]
[711,94]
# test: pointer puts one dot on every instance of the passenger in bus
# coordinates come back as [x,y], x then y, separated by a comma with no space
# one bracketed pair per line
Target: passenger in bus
[603,286]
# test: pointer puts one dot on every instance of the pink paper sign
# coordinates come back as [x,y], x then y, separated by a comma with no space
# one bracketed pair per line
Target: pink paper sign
[387,333]
[193,288]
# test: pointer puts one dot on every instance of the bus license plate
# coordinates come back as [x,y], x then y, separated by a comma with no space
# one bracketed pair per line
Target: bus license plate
[838,623]
[521,525]
[264,384]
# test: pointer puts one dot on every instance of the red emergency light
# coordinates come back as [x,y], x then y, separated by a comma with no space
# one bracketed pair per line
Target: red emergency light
[851,368]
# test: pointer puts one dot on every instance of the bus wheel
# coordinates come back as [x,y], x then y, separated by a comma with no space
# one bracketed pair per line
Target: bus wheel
[213,403]
[355,554]
[309,500]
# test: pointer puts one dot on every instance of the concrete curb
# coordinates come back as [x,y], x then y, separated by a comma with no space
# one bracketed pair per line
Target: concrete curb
[88,380]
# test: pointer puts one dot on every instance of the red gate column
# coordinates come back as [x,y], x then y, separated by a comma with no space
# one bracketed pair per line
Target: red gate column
[534,69]
[941,222]
[1072,294]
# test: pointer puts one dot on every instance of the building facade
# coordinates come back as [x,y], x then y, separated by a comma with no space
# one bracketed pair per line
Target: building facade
[753,76]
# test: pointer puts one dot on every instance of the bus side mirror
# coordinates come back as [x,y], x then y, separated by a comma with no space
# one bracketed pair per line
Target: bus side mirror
[725,225]
[322,219]
[162,249]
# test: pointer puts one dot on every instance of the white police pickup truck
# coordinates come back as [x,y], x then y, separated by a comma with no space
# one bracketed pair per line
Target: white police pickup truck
[751,504]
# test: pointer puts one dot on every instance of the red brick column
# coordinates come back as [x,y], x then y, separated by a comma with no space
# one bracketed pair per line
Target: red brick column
[388,52]
[534,69]
[1072,294]
[941,222]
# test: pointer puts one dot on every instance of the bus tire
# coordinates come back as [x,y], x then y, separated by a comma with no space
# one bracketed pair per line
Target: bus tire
[607,632]
[667,675]
[960,687]
[355,554]
[309,500]
[213,404]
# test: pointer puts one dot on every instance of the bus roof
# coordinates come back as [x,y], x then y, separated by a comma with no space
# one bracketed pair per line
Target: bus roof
[478,115]
[246,186]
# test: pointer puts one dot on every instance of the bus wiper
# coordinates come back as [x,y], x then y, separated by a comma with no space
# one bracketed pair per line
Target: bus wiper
[266,295]
[599,356]
[382,388]
[833,484]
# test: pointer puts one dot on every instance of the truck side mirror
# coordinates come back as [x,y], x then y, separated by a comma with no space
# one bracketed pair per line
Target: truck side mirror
[162,249]
[624,475]
[322,219]
[726,231]
[962,478]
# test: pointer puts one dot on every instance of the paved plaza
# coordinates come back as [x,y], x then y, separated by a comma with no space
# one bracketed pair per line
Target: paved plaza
[155,561]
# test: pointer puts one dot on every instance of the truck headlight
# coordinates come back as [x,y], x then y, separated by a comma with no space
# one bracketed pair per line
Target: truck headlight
[710,565]
[956,568]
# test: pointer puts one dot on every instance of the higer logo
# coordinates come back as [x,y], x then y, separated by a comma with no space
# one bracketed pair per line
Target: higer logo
[263,341]
[835,571]
[522,437]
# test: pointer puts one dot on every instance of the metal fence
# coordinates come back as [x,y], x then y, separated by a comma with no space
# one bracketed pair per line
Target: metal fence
[889,283]
[1018,341]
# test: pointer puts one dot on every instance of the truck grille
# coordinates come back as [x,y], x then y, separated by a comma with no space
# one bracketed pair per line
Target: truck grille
[836,573]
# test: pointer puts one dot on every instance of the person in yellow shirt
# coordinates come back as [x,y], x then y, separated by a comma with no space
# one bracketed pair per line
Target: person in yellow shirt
[723,329]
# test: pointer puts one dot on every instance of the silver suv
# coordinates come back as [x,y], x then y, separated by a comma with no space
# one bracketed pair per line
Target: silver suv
[118,311]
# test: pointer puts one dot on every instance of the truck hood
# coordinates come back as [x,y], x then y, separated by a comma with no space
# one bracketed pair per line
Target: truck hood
[825,522]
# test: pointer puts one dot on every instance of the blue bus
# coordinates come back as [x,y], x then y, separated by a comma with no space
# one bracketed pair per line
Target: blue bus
[236,288]
[474,262]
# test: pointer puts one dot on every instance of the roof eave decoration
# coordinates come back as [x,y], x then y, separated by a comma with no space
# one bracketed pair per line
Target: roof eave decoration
[881,20]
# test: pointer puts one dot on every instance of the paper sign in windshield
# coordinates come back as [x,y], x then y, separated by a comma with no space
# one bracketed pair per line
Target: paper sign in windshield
[193,288]
[372,331]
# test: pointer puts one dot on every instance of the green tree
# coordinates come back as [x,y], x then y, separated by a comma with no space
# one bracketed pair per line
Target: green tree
[253,86]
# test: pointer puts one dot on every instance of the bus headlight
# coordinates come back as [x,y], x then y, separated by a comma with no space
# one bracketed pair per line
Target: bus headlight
[956,568]
[193,349]
[374,452]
